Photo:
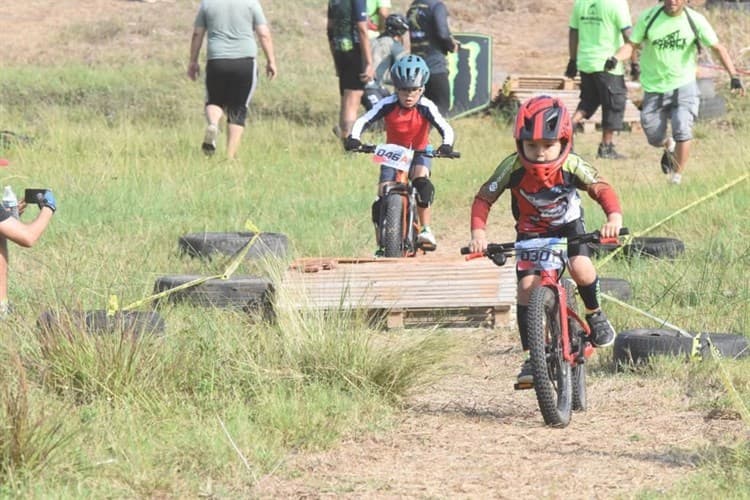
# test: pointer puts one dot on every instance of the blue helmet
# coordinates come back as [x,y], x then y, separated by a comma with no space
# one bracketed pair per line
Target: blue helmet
[410,72]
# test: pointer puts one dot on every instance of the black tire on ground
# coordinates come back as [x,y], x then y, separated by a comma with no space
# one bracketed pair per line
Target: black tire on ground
[665,248]
[712,107]
[133,323]
[616,287]
[578,375]
[249,293]
[207,244]
[552,374]
[638,345]
[392,232]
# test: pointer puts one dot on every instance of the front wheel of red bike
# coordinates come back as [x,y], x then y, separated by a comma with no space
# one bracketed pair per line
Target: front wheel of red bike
[392,226]
[552,374]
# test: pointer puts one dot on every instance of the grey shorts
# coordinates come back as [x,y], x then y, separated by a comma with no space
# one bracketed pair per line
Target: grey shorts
[678,107]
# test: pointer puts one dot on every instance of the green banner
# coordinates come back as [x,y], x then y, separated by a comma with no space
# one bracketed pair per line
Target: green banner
[470,74]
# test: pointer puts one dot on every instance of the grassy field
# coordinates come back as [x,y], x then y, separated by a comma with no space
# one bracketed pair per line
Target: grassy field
[222,397]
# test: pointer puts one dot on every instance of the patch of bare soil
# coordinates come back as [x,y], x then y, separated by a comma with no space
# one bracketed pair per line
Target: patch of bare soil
[469,435]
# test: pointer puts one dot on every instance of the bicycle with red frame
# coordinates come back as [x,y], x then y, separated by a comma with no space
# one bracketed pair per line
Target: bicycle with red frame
[559,339]
[397,222]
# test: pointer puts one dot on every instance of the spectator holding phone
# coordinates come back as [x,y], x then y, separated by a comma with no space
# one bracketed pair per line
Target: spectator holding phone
[21,233]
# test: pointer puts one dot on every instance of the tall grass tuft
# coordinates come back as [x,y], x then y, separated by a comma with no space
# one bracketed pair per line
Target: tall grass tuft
[29,437]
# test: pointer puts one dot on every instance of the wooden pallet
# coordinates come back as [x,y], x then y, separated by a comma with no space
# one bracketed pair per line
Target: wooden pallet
[420,291]
[539,82]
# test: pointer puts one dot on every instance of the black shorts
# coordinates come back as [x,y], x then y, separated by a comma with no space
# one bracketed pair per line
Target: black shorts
[568,230]
[608,91]
[348,68]
[230,84]
[438,90]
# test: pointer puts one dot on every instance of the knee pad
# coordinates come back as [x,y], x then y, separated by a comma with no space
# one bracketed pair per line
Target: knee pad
[376,210]
[425,191]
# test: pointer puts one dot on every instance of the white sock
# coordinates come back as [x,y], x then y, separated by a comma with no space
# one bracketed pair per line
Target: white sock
[676,178]
[670,145]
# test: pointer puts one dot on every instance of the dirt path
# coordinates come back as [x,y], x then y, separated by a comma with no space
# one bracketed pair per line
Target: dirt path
[470,435]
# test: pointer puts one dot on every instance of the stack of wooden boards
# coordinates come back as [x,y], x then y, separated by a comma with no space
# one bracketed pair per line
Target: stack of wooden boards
[518,88]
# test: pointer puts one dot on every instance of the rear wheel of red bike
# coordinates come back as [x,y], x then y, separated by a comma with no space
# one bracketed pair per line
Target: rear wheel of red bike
[578,374]
[392,226]
[552,374]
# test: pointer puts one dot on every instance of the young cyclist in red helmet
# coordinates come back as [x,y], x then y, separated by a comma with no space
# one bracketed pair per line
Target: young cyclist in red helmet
[544,177]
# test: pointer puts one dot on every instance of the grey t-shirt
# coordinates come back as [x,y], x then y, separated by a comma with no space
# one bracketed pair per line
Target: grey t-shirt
[230,27]
[385,52]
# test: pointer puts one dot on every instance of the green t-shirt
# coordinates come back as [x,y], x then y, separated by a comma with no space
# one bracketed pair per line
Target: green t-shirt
[668,50]
[373,8]
[599,24]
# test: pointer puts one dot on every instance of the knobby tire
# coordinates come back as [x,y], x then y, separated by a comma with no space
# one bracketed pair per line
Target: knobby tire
[552,374]
[392,228]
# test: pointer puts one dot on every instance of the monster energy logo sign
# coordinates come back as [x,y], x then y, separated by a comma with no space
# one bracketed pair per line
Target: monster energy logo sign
[470,75]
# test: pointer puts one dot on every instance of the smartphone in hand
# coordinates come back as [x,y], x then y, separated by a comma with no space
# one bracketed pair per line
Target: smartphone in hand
[34,195]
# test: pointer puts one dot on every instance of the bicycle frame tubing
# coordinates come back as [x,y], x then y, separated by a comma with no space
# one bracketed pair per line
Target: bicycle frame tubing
[550,278]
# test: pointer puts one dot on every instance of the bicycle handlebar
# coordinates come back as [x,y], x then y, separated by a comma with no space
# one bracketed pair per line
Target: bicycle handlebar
[430,153]
[496,248]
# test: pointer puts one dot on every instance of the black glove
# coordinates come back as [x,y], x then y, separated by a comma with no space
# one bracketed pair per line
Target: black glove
[445,150]
[635,71]
[46,200]
[350,144]
[610,63]
[571,71]
[735,83]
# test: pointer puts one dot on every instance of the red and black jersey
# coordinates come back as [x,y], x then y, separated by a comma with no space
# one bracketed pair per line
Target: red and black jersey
[538,208]
[408,127]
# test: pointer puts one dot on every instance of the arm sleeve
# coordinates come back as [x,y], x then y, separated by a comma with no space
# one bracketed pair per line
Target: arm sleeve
[442,31]
[480,211]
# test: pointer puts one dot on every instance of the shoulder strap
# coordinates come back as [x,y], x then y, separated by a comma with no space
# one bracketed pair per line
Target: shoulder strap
[690,22]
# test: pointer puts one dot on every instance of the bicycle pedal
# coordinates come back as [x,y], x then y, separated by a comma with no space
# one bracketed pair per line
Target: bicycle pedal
[524,386]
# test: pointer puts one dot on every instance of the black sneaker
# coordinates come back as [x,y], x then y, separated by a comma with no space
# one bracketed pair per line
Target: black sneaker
[668,162]
[602,333]
[608,152]
[526,375]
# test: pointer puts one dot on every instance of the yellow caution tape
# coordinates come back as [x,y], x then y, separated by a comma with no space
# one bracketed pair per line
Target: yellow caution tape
[232,266]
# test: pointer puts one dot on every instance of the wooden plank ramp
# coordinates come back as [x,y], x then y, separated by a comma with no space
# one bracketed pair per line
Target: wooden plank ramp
[419,291]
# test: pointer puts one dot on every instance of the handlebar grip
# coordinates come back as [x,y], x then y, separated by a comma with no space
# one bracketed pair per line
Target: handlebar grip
[624,231]
[465,250]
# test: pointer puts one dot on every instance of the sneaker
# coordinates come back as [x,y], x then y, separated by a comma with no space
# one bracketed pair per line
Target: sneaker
[675,178]
[602,333]
[526,375]
[608,152]
[209,139]
[426,238]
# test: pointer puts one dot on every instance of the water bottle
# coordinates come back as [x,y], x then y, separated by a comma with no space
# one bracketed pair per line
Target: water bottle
[10,202]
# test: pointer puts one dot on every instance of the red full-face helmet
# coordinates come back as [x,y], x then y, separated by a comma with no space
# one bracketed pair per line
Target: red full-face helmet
[543,118]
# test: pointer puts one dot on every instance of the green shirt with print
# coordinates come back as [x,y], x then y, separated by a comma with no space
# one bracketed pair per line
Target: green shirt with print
[599,24]
[668,50]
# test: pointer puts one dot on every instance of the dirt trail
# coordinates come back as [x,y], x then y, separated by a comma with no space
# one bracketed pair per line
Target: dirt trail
[470,435]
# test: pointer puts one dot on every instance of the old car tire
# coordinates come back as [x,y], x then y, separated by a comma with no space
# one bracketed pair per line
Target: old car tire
[98,322]
[638,345]
[664,248]
[616,287]
[243,292]
[207,244]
